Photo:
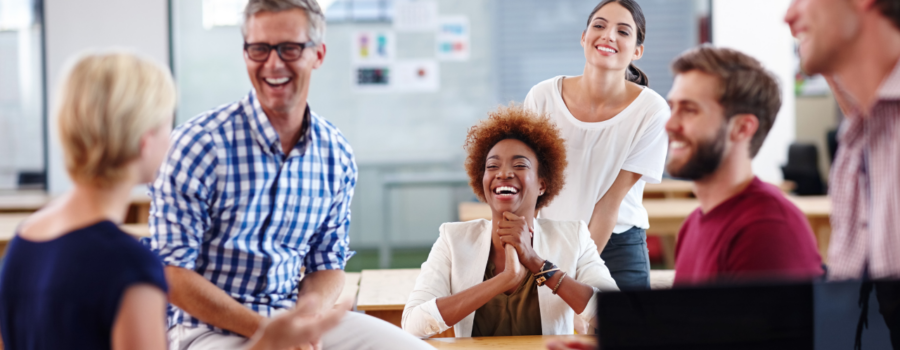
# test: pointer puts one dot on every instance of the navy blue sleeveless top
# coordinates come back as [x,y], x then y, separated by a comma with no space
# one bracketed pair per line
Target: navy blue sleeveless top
[65,293]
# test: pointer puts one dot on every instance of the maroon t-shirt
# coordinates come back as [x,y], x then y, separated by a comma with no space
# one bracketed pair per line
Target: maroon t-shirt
[757,234]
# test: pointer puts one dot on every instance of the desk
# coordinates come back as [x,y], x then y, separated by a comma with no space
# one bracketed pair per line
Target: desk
[667,215]
[525,342]
[30,201]
[9,222]
[351,287]
[671,188]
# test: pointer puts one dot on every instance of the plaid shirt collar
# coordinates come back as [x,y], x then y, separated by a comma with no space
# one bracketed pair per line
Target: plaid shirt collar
[265,133]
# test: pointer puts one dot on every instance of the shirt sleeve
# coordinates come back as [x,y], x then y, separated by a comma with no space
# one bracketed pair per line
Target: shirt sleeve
[330,246]
[592,270]
[773,249]
[421,316]
[180,195]
[648,157]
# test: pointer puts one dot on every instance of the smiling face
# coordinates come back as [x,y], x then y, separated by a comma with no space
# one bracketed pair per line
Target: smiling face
[281,86]
[511,181]
[610,40]
[824,29]
[697,129]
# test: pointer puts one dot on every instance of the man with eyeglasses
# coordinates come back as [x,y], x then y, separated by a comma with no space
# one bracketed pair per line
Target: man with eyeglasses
[255,190]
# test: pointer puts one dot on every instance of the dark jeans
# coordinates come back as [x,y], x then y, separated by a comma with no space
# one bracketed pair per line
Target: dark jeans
[628,260]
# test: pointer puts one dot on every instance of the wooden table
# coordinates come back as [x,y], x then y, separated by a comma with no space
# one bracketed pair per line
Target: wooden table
[9,222]
[667,215]
[29,201]
[351,287]
[527,342]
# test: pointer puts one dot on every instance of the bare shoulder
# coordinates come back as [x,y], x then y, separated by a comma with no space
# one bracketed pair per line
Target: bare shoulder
[54,220]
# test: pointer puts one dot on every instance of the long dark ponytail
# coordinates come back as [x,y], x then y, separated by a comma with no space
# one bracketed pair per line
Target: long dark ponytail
[633,73]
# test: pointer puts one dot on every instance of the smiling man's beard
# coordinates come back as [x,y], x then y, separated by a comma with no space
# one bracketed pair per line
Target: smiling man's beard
[705,159]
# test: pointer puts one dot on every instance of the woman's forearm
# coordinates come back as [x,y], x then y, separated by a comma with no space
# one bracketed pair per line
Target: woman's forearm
[602,224]
[455,307]
[574,293]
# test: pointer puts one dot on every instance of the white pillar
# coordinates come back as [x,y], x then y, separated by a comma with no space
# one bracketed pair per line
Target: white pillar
[756,28]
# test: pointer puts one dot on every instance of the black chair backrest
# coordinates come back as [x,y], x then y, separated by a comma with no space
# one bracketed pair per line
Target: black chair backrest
[803,169]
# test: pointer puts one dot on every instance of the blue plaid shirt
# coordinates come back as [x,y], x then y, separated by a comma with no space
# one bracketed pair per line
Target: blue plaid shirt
[230,205]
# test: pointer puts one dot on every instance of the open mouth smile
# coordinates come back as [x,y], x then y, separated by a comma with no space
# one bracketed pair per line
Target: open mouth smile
[277,82]
[505,192]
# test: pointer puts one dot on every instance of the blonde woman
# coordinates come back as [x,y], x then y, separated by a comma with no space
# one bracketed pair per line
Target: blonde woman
[72,278]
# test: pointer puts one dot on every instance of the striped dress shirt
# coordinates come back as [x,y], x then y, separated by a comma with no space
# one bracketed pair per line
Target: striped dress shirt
[865,190]
[230,205]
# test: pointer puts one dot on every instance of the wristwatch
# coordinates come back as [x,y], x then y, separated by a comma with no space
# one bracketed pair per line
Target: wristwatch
[547,272]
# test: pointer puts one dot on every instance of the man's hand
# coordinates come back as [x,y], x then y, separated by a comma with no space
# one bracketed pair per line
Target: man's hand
[299,327]
[515,231]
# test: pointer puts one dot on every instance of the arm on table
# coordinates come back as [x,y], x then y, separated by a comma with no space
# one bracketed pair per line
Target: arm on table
[141,319]
[606,211]
[199,297]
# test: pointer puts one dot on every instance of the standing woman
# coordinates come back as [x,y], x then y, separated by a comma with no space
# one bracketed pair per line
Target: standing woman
[614,127]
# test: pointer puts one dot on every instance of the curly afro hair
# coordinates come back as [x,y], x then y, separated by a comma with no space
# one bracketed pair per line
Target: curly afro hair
[536,131]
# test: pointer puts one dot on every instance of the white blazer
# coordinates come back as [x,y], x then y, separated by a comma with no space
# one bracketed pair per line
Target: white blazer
[459,257]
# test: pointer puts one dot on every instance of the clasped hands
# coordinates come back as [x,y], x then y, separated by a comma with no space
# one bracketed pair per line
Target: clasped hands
[517,236]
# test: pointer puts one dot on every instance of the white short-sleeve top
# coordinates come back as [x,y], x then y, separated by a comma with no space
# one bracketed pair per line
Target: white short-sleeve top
[634,140]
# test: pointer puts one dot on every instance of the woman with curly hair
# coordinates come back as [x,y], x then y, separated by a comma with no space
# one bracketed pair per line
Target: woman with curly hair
[514,274]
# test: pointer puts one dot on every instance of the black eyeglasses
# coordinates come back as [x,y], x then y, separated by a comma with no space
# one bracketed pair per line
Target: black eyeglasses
[288,52]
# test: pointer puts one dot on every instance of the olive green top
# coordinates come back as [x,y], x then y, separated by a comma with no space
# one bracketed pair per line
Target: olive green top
[516,314]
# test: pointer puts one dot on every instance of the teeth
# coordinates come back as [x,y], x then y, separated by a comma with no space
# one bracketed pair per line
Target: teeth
[502,189]
[606,49]
[277,81]
[676,144]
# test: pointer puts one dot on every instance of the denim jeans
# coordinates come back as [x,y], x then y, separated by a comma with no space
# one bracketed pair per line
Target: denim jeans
[628,260]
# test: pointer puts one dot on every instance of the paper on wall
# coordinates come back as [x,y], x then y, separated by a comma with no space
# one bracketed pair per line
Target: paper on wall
[452,38]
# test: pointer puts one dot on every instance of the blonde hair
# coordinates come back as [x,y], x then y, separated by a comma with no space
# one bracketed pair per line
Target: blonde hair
[107,102]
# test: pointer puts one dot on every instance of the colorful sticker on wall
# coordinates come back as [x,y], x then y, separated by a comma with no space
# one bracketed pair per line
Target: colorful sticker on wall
[370,47]
[452,38]
[416,76]
[372,78]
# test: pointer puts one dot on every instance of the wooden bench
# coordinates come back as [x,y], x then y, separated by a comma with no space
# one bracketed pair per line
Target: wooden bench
[383,293]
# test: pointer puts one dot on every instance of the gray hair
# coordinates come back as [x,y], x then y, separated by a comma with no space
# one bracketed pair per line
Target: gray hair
[314,15]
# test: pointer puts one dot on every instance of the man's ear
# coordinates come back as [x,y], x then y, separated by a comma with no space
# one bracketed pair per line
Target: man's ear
[743,127]
[320,55]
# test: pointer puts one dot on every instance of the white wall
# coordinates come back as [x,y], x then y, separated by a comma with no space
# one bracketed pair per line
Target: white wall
[74,26]
[756,28]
